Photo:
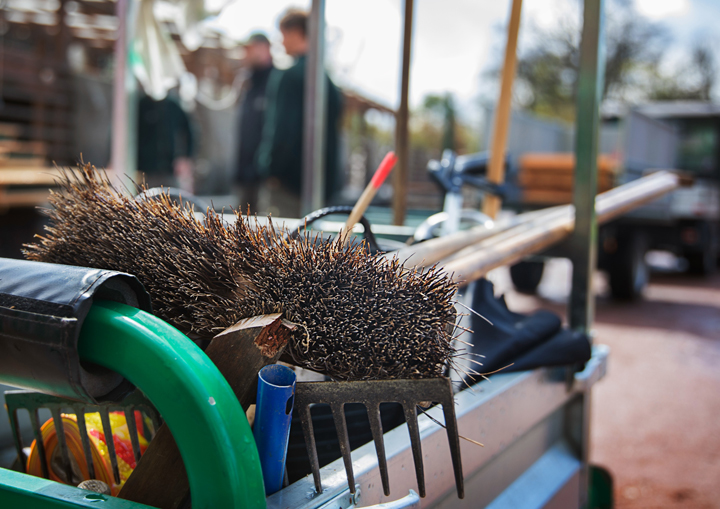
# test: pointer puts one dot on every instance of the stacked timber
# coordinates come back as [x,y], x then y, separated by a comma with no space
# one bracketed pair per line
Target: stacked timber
[23,173]
[548,179]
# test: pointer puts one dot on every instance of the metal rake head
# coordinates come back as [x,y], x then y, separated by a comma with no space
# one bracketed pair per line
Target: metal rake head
[409,393]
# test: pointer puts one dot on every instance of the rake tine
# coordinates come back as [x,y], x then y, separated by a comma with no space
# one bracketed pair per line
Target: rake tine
[371,393]
[412,424]
[377,433]
[60,432]
[39,443]
[454,441]
[341,428]
[309,434]
[110,442]
[133,432]
[80,413]
[155,419]
[16,436]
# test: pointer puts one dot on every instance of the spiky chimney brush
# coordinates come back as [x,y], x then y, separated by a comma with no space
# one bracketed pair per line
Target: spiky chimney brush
[360,317]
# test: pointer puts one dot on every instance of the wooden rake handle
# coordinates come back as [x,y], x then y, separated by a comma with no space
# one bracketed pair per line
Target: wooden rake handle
[368,194]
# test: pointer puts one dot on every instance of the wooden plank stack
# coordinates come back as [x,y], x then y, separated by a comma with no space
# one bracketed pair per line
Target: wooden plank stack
[24,174]
[547,179]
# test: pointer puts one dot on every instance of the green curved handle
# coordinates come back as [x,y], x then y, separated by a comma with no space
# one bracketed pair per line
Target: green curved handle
[204,416]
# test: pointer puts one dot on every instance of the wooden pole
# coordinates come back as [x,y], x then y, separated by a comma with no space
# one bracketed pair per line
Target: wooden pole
[496,168]
[402,141]
[432,251]
[368,194]
[475,261]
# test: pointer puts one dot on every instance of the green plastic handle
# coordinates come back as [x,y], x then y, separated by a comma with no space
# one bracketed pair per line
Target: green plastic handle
[195,400]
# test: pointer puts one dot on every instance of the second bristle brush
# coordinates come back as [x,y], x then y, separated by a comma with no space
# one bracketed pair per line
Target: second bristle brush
[359,316]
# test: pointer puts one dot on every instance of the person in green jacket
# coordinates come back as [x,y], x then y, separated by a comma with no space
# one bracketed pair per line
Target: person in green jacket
[280,153]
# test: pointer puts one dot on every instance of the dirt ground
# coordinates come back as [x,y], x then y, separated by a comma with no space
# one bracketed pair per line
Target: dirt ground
[656,415]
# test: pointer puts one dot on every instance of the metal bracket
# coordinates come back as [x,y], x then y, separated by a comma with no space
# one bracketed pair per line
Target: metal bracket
[344,500]
[595,369]
[347,500]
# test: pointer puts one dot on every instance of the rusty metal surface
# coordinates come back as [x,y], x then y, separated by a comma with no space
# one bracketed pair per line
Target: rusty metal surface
[409,393]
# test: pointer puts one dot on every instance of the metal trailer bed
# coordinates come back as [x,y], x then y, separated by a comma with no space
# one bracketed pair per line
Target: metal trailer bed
[531,423]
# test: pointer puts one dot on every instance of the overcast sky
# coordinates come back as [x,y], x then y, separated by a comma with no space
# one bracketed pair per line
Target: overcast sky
[453,40]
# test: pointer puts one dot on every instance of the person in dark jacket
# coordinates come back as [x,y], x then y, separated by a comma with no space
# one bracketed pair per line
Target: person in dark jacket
[280,153]
[252,117]
[165,143]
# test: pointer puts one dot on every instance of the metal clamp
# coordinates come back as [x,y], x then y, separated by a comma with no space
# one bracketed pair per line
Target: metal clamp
[347,500]
[595,369]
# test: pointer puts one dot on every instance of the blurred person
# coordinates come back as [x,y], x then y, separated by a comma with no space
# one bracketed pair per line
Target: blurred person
[280,154]
[252,116]
[165,145]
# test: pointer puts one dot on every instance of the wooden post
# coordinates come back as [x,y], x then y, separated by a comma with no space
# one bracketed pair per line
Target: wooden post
[239,352]
[402,141]
[496,168]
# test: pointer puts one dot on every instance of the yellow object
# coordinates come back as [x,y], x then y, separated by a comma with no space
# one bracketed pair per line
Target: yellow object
[98,450]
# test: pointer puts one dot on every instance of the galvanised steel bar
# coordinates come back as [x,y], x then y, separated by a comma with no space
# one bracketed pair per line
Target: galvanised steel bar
[124,114]
[313,179]
[583,243]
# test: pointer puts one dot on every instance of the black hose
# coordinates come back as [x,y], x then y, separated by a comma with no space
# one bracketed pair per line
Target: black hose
[338,209]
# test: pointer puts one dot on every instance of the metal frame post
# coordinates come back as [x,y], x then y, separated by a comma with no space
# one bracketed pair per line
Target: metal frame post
[315,108]
[402,141]
[124,114]
[583,241]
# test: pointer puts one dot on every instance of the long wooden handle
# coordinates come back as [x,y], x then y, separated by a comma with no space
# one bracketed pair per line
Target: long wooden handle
[496,167]
[531,237]
[425,254]
[368,194]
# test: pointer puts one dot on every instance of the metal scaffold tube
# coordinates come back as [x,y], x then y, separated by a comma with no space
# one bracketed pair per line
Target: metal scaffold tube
[314,115]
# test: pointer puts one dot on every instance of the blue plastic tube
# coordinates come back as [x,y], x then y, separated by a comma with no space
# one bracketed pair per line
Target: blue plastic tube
[275,398]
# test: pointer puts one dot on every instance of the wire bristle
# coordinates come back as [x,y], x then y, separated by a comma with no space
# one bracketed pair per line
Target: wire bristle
[362,317]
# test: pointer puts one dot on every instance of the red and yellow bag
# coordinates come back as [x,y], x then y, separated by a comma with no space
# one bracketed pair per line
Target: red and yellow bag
[98,449]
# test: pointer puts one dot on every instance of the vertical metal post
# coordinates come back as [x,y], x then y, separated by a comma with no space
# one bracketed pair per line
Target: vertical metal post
[315,107]
[584,239]
[402,141]
[123,148]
